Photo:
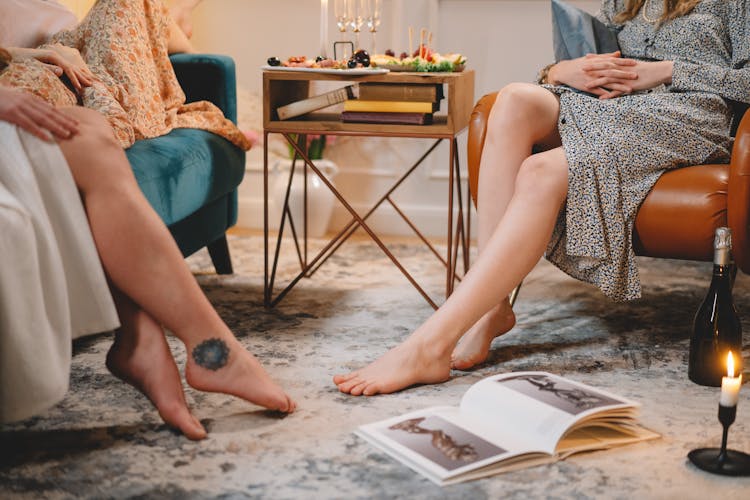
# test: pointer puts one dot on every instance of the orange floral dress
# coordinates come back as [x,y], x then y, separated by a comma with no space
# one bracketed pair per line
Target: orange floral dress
[124,43]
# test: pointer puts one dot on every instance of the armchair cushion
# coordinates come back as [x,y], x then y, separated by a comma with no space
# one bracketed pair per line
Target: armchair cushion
[185,170]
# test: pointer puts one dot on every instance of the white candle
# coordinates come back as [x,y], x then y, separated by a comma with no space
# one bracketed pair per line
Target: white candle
[730,385]
[323,27]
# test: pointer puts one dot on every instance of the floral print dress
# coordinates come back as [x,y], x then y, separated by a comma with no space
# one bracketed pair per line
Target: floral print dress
[617,149]
[124,43]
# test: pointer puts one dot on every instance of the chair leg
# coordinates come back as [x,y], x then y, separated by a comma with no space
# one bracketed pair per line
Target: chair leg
[219,252]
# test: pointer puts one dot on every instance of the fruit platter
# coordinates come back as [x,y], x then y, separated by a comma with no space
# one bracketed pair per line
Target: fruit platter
[358,63]
[422,60]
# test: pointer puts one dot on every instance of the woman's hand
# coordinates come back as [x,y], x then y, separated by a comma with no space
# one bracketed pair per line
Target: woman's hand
[574,73]
[61,60]
[649,74]
[35,115]
[72,64]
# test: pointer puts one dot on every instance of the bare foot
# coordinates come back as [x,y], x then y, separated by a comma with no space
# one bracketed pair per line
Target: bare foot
[415,361]
[148,366]
[223,365]
[474,346]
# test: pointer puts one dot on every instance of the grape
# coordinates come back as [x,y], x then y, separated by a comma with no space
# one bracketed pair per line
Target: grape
[362,57]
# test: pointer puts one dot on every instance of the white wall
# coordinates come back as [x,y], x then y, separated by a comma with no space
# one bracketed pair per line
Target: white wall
[504,40]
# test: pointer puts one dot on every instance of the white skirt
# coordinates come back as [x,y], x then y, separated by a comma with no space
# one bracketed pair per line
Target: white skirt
[52,285]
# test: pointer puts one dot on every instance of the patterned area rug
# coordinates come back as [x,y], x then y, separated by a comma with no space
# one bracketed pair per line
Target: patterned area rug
[106,441]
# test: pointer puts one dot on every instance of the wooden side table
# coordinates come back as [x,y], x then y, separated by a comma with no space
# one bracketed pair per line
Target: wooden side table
[281,87]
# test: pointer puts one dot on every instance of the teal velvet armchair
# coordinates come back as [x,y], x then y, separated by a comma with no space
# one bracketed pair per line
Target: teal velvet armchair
[190,176]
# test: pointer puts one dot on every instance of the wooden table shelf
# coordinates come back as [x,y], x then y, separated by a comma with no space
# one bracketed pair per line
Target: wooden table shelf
[282,87]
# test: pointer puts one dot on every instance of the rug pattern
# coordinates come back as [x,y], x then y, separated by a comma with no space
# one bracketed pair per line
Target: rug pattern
[104,440]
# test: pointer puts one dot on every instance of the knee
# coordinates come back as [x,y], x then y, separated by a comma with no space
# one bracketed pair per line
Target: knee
[94,155]
[525,108]
[94,128]
[514,102]
[543,178]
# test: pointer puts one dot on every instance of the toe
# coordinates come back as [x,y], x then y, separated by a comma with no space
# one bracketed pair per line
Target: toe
[358,389]
[349,384]
[340,379]
[371,389]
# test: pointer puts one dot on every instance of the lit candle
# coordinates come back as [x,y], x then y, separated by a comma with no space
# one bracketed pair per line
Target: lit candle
[730,385]
[323,27]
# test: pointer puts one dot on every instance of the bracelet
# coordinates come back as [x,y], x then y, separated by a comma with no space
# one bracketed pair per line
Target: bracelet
[544,74]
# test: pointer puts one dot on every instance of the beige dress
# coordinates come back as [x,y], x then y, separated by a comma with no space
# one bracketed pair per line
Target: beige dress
[52,286]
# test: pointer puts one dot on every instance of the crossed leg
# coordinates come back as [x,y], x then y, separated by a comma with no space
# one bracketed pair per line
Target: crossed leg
[515,241]
[143,262]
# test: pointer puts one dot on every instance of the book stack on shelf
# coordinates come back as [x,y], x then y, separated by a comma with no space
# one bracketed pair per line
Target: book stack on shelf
[314,103]
[394,103]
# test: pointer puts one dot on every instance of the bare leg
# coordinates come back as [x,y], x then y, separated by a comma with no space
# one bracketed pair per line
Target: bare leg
[515,246]
[520,119]
[141,357]
[127,231]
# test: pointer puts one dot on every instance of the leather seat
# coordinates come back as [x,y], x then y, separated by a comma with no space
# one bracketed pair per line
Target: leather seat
[678,218]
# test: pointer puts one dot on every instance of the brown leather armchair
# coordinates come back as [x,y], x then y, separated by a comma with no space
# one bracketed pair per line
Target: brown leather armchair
[678,218]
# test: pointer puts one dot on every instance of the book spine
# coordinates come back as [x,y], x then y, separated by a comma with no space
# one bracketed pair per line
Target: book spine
[390,106]
[400,92]
[316,102]
[387,118]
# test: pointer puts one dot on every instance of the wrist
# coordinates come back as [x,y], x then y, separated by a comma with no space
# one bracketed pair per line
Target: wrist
[552,74]
[668,71]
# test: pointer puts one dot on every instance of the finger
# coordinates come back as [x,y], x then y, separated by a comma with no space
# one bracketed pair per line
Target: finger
[604,65]
[607,82]
[598,91]
[73,78]
[33,128]
[57,70]
[612,73]
[55,122]
[612,95]
[615,54]
[621,89]
[625,62]
[52,118]
[83,78]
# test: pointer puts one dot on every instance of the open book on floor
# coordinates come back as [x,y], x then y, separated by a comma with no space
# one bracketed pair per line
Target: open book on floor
[507,422]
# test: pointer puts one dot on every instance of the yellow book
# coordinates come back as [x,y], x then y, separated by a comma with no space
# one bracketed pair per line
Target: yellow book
[390,106]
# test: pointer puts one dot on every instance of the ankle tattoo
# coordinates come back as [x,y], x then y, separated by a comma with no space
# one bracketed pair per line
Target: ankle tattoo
[211,354]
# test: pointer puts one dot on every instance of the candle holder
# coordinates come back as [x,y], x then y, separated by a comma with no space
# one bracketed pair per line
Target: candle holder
[721,460]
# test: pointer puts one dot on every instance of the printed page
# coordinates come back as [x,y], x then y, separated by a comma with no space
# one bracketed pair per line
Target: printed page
[539,407]
[443,442]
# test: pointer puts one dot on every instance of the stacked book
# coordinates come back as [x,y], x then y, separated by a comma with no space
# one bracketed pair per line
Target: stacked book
[394,103]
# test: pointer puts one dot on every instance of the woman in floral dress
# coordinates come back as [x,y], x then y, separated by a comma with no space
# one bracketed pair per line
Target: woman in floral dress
[659,104]
[115,63]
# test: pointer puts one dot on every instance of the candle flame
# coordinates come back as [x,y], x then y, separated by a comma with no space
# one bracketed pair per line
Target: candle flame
[730,365]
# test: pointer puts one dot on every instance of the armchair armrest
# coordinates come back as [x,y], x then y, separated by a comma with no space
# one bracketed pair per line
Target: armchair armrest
[477,133]
[738,195]
[208,77]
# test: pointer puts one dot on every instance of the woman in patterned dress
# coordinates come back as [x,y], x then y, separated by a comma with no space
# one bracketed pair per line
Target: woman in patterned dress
[660,104]
[152,287]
